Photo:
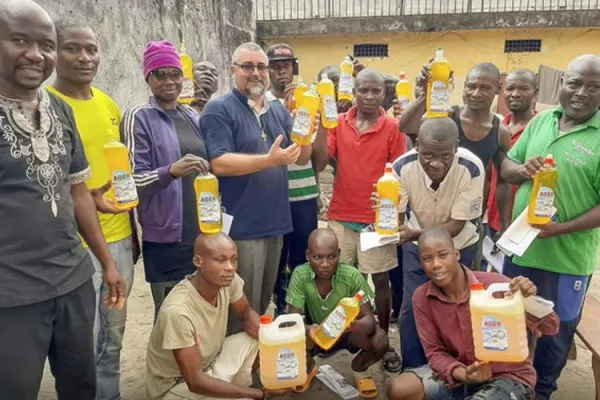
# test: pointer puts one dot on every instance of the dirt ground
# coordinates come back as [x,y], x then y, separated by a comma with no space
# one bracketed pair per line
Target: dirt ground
[576,381]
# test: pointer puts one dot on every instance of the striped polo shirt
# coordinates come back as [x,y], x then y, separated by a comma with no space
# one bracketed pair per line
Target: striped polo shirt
[302,182]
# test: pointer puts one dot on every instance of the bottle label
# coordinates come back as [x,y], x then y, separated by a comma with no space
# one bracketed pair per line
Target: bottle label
[335,323]
[209,208]
[544,201]
[346,83]
[403,102]
[330,108]
[440,97]
[187,89]
[125,191]
[495,337]
[302,123]
[287,365]
[388,216]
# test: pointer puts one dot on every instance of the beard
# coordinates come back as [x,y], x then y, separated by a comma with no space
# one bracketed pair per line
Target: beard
[255,91]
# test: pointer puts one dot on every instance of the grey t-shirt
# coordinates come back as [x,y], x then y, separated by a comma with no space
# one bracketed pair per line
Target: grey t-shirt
[41,256]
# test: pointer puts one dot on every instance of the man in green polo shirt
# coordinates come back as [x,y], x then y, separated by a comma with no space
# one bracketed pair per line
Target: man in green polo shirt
[561,261]
[315,290]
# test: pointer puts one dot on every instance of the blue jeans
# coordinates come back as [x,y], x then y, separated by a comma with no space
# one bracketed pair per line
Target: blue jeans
[109,326]
[413,354]
[304,221]
[568,294]
[496,389]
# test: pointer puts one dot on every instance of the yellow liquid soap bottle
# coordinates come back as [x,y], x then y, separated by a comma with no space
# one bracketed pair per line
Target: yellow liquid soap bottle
[123,192]
[210,218]
[499,330]
[386,216]
[438,87]
[329,114]
[296,101]
[542,193]
[346,86]
[282,351]
[403,92]
[187,90]
[336,323]
[303,128]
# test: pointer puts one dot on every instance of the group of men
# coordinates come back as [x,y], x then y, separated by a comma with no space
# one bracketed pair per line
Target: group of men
[63,290]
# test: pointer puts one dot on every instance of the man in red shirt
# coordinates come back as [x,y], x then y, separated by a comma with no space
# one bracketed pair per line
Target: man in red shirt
[520,88]
[363,142]
[443,319]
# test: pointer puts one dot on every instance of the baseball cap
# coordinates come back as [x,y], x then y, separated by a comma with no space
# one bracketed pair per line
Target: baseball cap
[279,52]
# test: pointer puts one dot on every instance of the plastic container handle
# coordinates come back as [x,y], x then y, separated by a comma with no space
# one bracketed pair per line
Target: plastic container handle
[282,319]
[498,287]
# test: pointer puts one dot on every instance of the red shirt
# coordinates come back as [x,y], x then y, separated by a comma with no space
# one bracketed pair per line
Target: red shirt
[446,333]
[361,160]
[493,213]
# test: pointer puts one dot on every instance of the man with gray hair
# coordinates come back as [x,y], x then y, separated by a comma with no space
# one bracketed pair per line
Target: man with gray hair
[249,147]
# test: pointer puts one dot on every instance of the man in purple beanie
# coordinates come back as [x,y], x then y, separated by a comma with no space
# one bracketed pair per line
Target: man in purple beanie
[167,152]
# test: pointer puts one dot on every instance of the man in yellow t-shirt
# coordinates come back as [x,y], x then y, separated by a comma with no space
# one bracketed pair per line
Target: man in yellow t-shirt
[97,117]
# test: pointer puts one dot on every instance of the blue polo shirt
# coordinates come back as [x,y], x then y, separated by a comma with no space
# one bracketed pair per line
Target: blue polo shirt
[259,202]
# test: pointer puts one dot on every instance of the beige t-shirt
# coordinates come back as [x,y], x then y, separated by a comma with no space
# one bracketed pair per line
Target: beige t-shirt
[185,317]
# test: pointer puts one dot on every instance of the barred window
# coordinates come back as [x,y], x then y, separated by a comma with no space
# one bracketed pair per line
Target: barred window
[370,50]
[523,46]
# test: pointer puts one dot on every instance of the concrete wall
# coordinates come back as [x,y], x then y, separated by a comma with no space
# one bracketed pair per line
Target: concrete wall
[212,29]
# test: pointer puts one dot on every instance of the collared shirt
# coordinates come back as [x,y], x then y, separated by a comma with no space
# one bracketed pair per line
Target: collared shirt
[446,331]
[492,207]
[42,256]
[303,293]
[361,159]
[577,157]
[302,181]
[459,196]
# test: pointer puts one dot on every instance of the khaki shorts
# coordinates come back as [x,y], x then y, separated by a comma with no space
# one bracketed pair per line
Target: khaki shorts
[233,364]
[373,261]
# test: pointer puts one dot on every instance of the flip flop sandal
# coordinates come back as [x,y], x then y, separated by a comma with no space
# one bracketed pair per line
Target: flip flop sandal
[367,388]
[303,388]
[391,357]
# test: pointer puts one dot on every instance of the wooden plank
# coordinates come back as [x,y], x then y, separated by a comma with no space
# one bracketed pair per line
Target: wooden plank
[588,329]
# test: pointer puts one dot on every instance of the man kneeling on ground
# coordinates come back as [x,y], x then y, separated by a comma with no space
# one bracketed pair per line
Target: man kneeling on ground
[315,290]
[189,356]
[443,318]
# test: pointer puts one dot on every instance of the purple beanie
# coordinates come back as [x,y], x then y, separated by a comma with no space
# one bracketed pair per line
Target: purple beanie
[160,54]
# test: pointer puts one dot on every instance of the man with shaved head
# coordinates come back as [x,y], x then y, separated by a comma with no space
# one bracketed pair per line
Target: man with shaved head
[189,356]
[47,298]
[562,259]
[365,140]
[442,184]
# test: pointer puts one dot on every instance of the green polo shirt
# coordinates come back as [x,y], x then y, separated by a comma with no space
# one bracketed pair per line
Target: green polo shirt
[303,293]
[577,157]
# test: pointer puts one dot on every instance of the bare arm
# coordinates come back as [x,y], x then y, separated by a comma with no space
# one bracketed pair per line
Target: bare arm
[320,153]
[305,155]
[503,188]
[248,315]
[453,226]
[411,118]
[587,221]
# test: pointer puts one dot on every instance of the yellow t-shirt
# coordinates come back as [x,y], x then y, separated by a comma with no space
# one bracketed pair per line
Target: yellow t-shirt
[98,122]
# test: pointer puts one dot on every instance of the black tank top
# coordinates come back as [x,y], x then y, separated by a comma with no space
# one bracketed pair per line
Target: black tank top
[486,148]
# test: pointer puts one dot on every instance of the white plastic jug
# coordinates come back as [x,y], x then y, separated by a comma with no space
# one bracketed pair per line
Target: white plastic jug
[499,329]
[282,347]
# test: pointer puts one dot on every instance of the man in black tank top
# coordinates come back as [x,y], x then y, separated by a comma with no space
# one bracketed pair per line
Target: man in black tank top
[480,130]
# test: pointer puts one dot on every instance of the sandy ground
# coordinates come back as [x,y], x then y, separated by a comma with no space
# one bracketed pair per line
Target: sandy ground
[576,381]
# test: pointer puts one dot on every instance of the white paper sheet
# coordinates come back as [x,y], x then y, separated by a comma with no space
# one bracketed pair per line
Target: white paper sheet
[371,240]
[227,222]
[519,235]
[496,259]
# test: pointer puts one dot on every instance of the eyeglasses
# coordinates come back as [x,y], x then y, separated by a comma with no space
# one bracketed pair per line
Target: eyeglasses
[162,75]
[249,68]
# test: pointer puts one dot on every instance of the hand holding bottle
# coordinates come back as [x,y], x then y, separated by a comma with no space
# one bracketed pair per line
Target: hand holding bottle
[189,164]
[532,167]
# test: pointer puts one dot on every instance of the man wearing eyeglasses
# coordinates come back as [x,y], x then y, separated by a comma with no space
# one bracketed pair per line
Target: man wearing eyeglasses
[168,152]
[249,147]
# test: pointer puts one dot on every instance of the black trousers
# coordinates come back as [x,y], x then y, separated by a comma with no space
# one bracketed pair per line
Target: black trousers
[60,329]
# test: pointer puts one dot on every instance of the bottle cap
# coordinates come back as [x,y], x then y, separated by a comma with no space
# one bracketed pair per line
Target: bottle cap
[324,76]
[388,167]
[549,159]
[402,75]
[360,295]
[266,319]
[477,286]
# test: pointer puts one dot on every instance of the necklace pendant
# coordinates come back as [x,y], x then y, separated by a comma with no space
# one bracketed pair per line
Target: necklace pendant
[264,136]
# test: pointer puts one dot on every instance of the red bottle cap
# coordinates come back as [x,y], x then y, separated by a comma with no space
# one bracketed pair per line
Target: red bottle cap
[549,160]
[388,167]
[266,319]
[359,296]
[402,75]
[477,286]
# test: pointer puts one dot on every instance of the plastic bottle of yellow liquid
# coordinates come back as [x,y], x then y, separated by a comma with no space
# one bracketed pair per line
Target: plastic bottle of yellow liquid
[187,90]
[386,216]
[542,193]
[329,114]
[336,323]
[303,128]
[123,192]
[438,88]
[282,351]
[346,86]
[499,330]
[403,92]
[296,101]
[210,218]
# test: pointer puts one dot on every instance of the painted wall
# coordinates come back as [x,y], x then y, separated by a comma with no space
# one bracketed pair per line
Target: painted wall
[409,51]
